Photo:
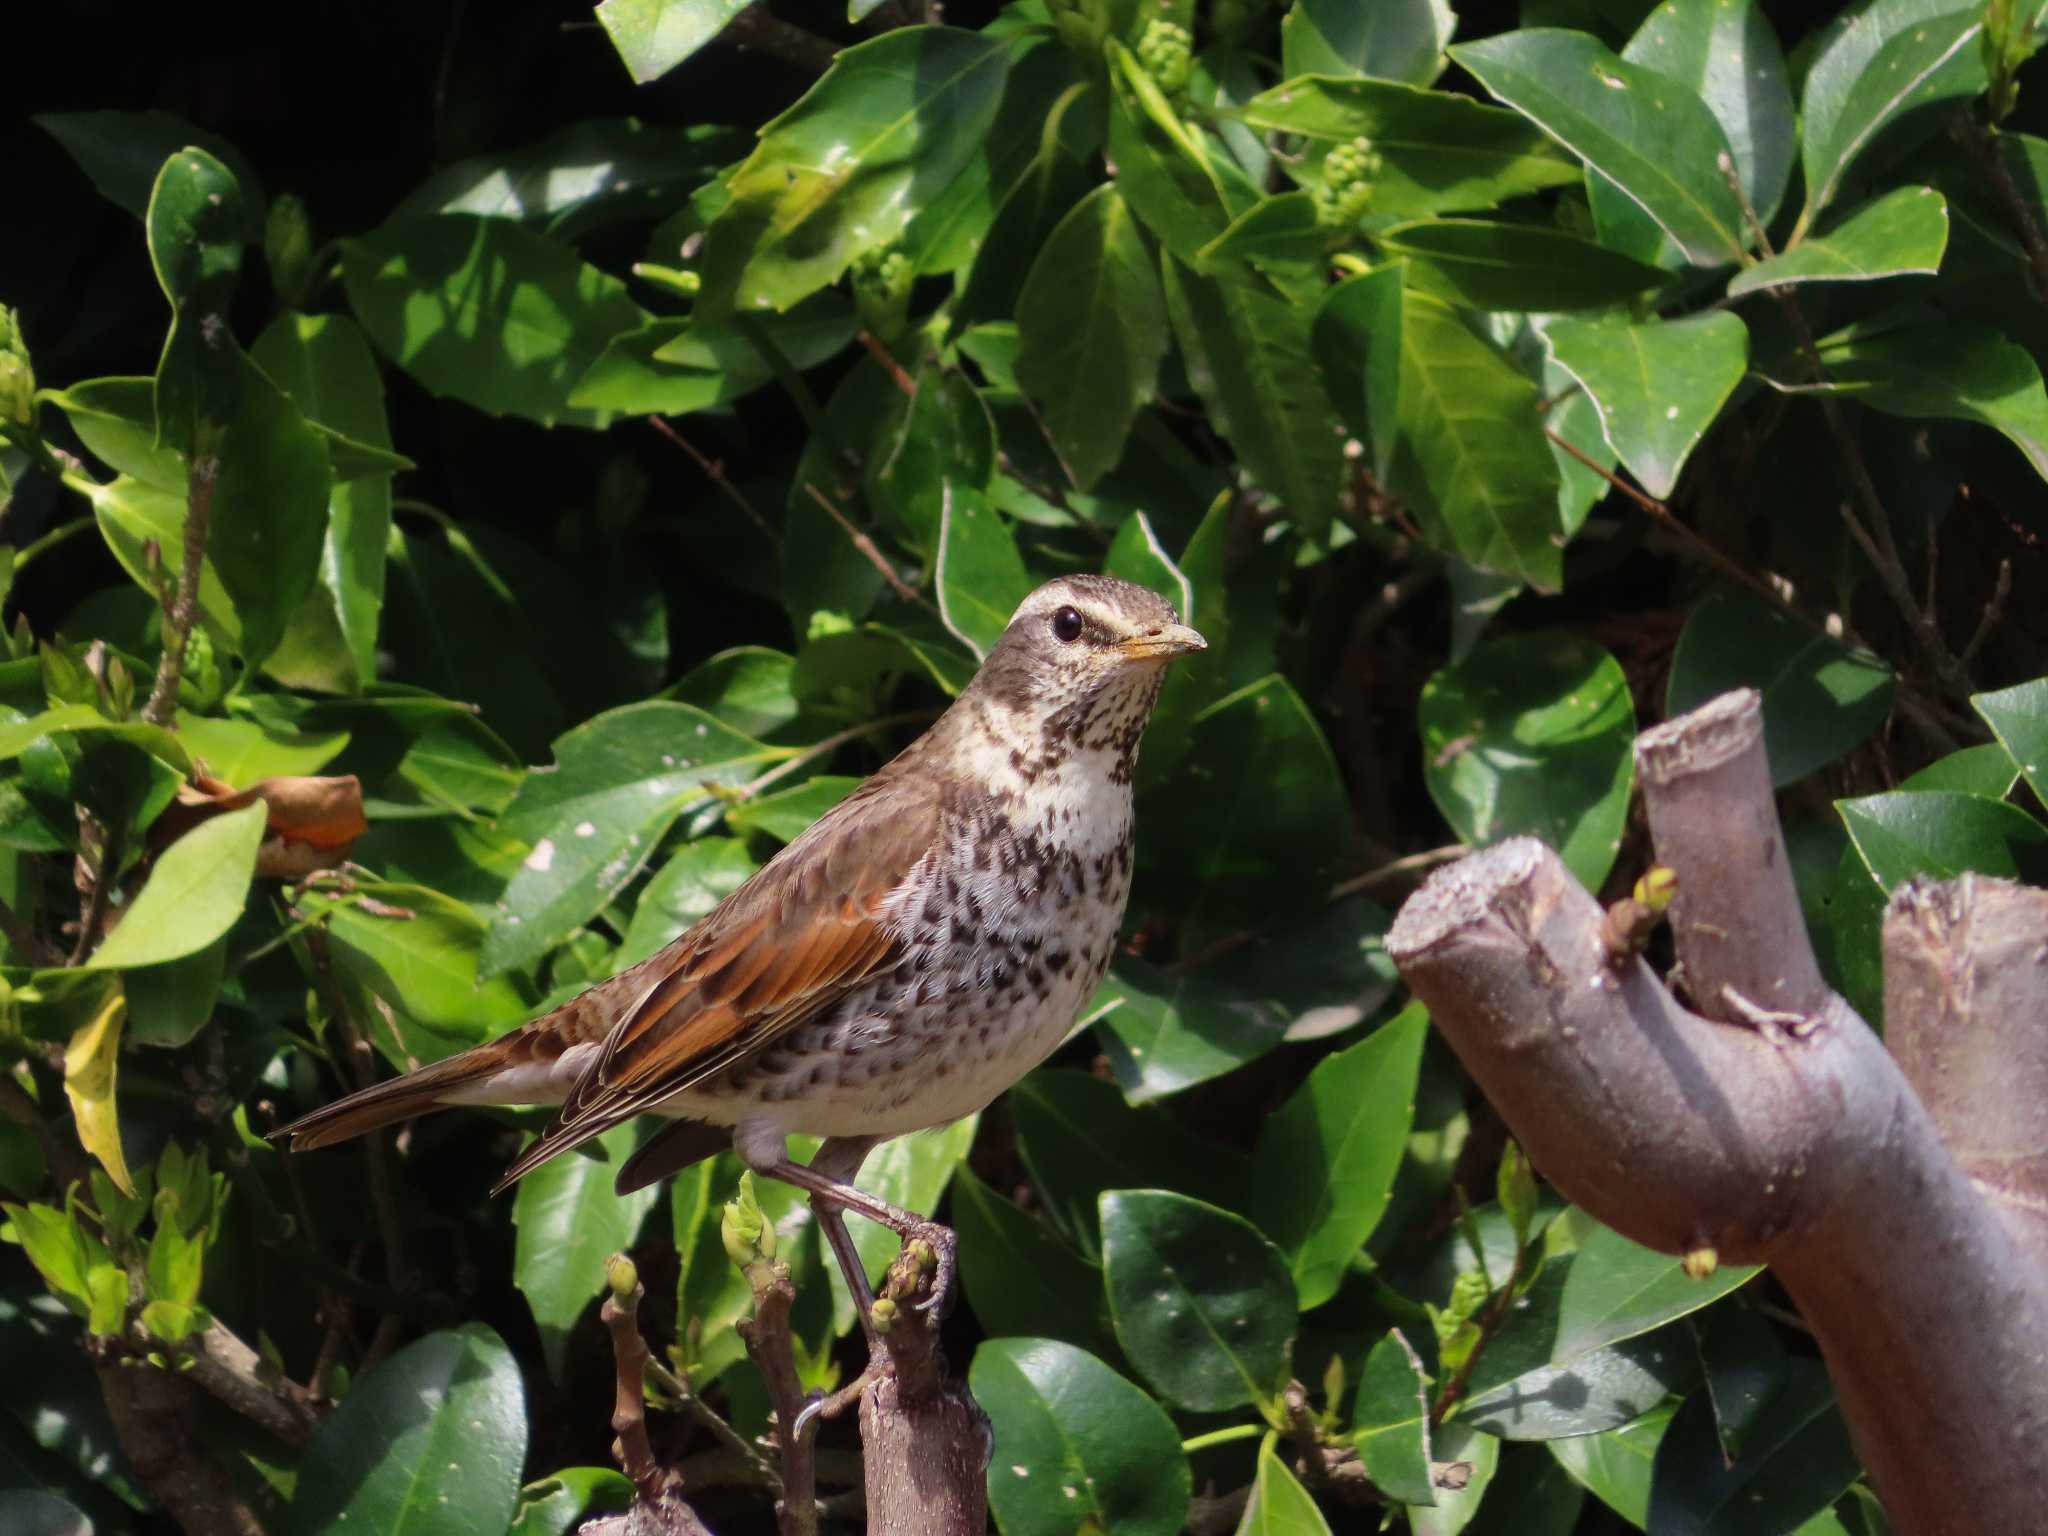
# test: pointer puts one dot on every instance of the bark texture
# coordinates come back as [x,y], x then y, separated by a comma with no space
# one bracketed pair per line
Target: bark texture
[1772,1125]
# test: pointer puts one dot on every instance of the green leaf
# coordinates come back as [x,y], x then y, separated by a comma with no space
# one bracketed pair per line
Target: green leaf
[700,875]
[1945,368]
[1019,1275]
[1356,337]
[168,1004]
[428,1444]
[37,1512]
[1580,1354]
[618,783]
[1439,151]
[197,223]
[1077,1448]
[1326,1161]
[674,367]
[1078,1138]
[1202,1303]
[654,36]
[1795,1462]
[116,419]
[1469,455]
[123,151]
[1454,1508]
[980,576]
[1247,354]
[1892,58]
[1727,51]
[1940,834]
[1820,697]
[1483,264]
[1390,1421]
[1392,40]
[1901,233]
[569,1222]
[1533,734]
[486,311]
[1986,770]
[2018,717]
[239,752]
[941,440]
[1615,1466]
[1279,1505]
[1745,1366]
[131,517]
[1282,236]
[1658,385]
[1165,1032]
[751,688]
[1530,1495]
[192,896]
[424,962]
[1650,135]
[54,1245]
[784,814]
[1181,192]
[844,170]
[557,1504]
[1092,324]
[1249,831]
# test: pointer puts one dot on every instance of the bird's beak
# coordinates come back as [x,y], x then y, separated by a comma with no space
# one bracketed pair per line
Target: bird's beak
[1173,640]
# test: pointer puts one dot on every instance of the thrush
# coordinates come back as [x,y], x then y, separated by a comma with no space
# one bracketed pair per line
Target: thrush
[920,947]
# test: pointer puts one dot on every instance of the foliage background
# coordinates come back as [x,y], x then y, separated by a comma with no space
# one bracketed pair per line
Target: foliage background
[1431,624]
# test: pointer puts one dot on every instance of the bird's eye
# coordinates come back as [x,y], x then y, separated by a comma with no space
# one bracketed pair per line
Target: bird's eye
[1066,625]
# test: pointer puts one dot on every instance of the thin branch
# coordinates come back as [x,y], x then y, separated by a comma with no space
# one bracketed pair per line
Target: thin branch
[715,472]
[1490,1321]
[881,354]
[868,548]
[1982,145]
[830,744]
[1993,612]
[23,938]
[230,1370]
[200,481]
[1406,865]
[768,1339]
[684,1395]
[106,869]
[757,28]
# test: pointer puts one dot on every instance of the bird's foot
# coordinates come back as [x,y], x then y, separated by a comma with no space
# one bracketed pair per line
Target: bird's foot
[928,1250]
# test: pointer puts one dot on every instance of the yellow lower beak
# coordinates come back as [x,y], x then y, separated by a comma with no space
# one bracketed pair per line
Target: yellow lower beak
[1173,640]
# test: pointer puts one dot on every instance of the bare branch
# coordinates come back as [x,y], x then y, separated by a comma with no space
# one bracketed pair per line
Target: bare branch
[200,480]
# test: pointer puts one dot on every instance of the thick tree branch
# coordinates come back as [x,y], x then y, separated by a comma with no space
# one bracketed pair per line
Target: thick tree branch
[925,1441]
[1789,1137]
[158,1424]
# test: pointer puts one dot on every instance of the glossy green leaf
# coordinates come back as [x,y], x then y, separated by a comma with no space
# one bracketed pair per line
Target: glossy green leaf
[116,419]
[1440,152]
[1795,1462]
[1247,354]
[569,1222]
[1929,366]
[1530,1495]
[239,752]
[1479,1455]
[557,1504]
[1650,135]
[1092,325]
[843,171]
[784,813]
[939,442]
[1533,734]
[1615,1466]
[1279,1505]
[428,1444]
[131,517]
[486,311]
[1940,834]
[198,222]
[1657,385]
[170,1003]
[1165,1032]
[1745,1366]
[618,783]
[1165,169]
[1987,770]
[1898,57]
[1395,40]
[700,875]
[1356,337]
[193,895]
[980,577]
[1079,1138]
[2018,717]
[1469,456]
[1902,233]
[1203,1305]
[1727,51]
[1390,1421]
[1482,264]
[751,688]
[1326,1160]
[417,950]
[674,367]
[654,36]
[1581,1353]
[1077,1448]
[1249,828]
[1820,698]
[1020,1275]
[124,151]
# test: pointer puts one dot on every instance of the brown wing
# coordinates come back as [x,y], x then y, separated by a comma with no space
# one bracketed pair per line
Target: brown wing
[795,939]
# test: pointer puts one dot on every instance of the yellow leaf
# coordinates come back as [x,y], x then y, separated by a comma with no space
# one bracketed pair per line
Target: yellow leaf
[89,1062]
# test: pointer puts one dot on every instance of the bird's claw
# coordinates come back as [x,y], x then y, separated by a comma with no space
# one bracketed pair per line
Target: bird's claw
[940,1241]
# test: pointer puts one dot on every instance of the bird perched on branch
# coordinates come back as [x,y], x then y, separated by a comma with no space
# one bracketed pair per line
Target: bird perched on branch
[919,948]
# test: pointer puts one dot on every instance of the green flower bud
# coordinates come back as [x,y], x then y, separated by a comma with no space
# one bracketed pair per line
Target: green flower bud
[748,1235]
[1345,191]
[1167,50]
[288,247]
[17,375]
[622,1276]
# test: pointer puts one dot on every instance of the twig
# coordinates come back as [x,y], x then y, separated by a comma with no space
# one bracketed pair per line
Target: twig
[685,1398]
[105,871]
[715,472]
[632,1449]
[881,354]
[832,743]
[23,939]
[1407,864]
[868,548]
[230,1370]
[1490,1320]
[1982,146]
[1993,612]
[1726,162]
[758,29]
[769,1341]
[200,481]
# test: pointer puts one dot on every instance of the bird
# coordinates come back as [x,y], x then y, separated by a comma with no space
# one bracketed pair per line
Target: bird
[898,965]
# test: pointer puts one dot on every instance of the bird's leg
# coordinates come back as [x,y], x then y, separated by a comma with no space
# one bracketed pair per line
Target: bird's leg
[832,1192]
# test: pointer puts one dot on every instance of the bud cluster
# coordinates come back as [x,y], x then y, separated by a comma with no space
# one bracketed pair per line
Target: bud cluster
[1345,191]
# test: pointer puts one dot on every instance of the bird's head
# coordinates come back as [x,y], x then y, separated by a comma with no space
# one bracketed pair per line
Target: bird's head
[1085,655]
